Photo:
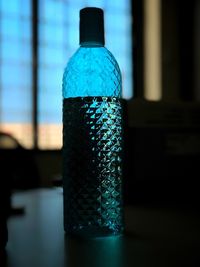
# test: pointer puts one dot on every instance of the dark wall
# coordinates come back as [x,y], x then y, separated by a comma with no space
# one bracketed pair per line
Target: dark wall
[163,166]
[178,46]
[163,138]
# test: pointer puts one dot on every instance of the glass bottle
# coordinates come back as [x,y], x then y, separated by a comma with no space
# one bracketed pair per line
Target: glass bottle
[92,134]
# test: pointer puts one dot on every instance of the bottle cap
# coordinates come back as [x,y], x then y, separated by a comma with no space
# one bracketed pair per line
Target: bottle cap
[91,26]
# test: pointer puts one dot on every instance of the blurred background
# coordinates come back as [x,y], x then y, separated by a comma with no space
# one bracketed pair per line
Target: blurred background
[156,43]
[37,40]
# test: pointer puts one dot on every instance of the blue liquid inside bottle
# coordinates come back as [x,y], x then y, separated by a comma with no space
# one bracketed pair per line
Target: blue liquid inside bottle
[92,143]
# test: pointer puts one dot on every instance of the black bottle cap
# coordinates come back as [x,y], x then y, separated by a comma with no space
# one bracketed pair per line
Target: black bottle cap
[91,26]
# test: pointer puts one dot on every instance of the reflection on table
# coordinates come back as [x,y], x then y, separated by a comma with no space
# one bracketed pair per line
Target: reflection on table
[153,237]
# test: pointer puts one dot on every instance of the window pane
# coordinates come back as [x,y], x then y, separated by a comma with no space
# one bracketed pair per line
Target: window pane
[52,59]
[11,7]
[15,70]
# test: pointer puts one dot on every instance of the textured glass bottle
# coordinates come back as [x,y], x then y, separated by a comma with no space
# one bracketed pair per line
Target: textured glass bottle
[92,135]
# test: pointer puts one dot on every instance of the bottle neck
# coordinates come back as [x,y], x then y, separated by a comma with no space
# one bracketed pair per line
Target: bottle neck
[91,44]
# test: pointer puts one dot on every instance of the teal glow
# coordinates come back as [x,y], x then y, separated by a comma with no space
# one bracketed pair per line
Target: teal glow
[99,252]
[92,128]
[92,71]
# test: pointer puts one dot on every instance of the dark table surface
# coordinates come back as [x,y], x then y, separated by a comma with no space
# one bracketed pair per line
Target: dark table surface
[154,237]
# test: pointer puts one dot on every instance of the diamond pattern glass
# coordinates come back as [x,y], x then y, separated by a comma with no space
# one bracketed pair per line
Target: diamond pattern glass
[92,71]
[92,165]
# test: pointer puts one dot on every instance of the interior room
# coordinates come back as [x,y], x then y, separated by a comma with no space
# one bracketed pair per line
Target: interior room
[156,44]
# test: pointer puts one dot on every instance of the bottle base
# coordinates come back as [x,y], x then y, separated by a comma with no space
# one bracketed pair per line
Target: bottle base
[93,232]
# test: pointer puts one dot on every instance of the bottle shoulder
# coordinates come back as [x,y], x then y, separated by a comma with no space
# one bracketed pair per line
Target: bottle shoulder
[92,71]
[93,58]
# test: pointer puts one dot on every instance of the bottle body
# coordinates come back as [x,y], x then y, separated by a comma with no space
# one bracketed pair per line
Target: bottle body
[92,144]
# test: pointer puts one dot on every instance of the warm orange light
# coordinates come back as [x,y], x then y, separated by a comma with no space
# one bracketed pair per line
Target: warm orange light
[50,135]
[152,49]
[22,132]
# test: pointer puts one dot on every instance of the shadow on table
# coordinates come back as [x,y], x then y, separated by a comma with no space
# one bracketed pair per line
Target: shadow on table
[116,251]
[131,250]
[3,258]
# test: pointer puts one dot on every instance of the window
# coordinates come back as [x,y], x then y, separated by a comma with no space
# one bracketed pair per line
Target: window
[58,34]
[53,48]
[15,70]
